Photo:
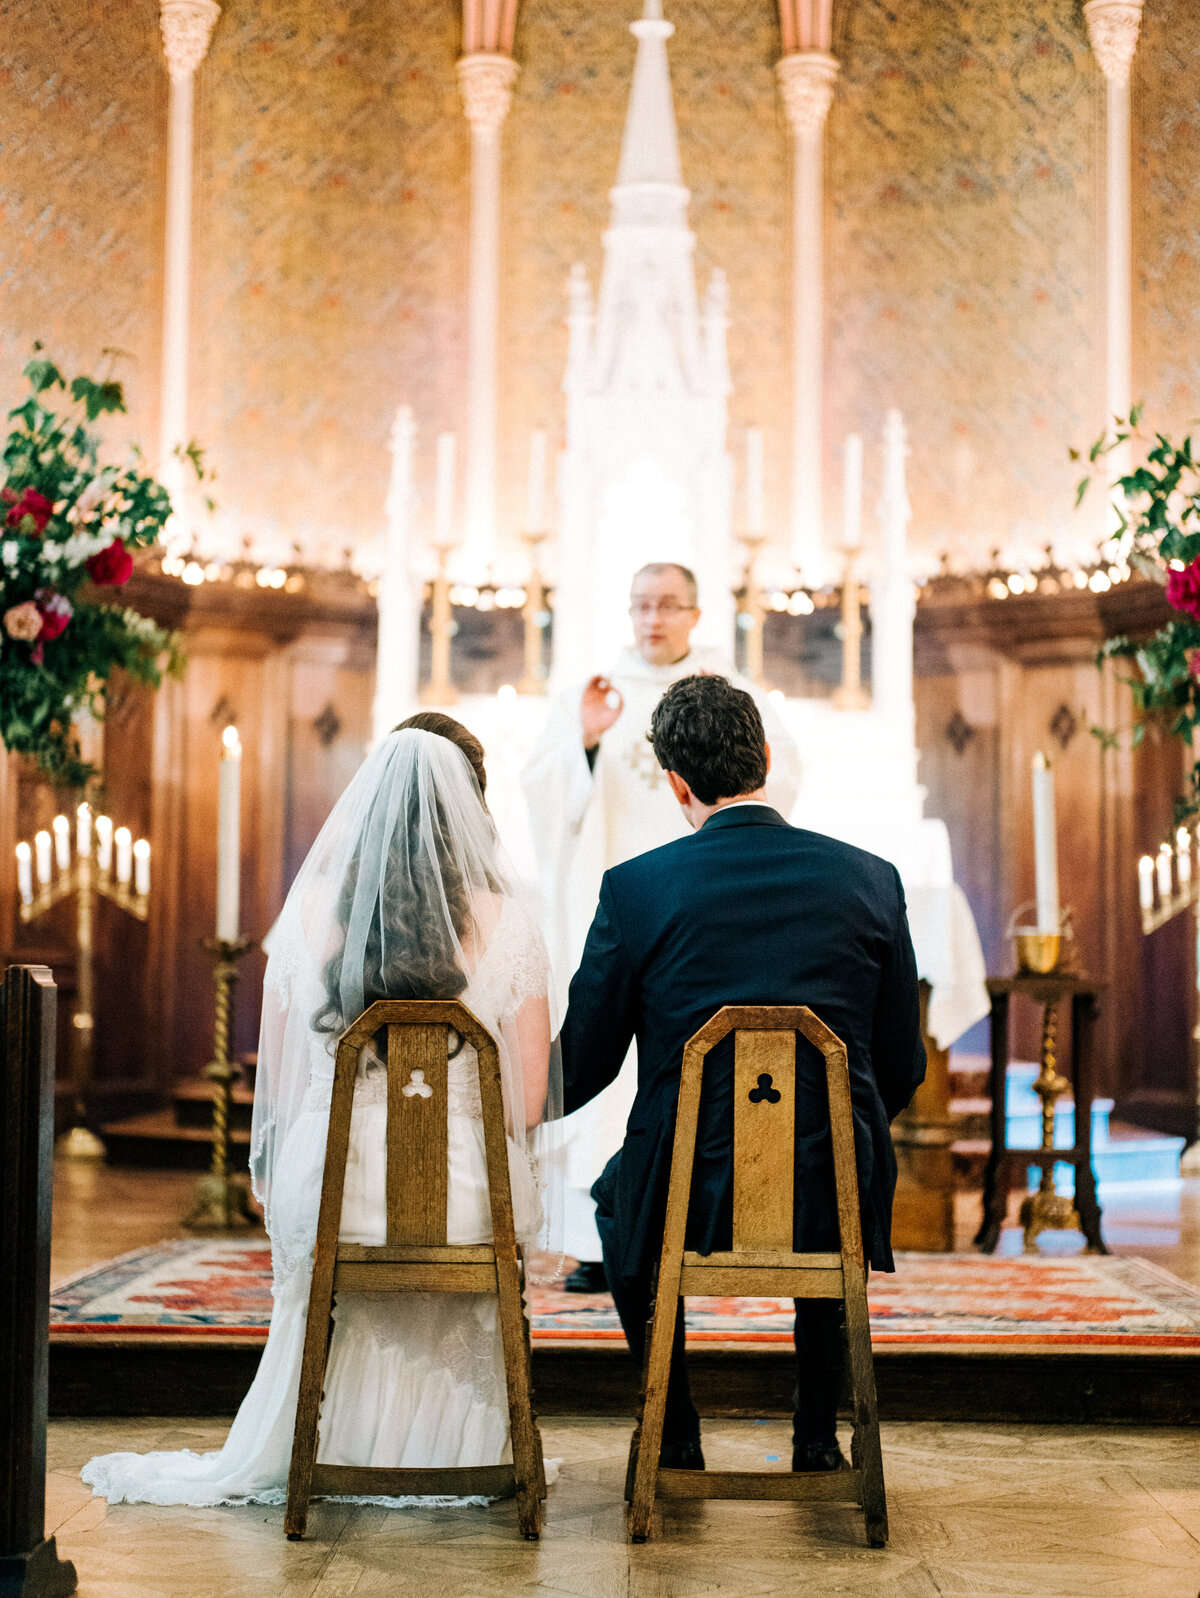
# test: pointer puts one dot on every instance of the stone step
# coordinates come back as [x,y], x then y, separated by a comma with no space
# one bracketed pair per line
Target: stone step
[158,1141]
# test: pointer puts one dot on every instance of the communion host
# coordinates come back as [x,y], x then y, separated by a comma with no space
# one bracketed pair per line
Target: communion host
[744,910]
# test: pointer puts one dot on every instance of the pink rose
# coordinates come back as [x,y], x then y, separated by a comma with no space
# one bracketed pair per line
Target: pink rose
[29,513]
[1183,589]
[112,566]
[23,622]
[55,610]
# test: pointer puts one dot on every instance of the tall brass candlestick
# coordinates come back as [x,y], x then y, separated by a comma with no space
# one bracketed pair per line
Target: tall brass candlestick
[439,690]
[534,680]
[222,1199]
[850,695]
[1048,1210]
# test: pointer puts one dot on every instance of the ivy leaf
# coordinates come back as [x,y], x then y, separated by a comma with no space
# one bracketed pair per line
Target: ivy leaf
[98,397]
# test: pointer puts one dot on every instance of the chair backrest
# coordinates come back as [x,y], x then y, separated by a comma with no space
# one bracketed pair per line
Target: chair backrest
[764,1120]
[420,1036]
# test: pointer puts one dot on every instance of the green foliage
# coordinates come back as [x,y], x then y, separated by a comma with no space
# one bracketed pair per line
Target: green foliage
[61,509]
[1159,525]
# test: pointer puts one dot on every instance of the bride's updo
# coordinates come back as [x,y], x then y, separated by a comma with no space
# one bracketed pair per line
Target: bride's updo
[444,726]
[412,951]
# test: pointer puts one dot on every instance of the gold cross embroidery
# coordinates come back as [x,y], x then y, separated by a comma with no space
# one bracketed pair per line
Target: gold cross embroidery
[641,761]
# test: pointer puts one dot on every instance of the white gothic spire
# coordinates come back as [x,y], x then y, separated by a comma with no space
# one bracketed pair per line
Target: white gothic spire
[650,147]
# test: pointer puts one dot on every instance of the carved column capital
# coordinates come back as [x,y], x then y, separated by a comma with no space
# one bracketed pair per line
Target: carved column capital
[485,81]
[187,26]
[806,79]
[1113,27]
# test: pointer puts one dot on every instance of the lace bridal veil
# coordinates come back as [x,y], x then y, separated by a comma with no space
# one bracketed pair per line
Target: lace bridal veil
[406,894]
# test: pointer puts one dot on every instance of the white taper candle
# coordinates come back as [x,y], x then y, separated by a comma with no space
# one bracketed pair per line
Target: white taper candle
[62,843]
[1164,872]
[1045,845]
[1146,882]
[852,481]
[535,507]
[756,520]
[83,829]
[104,836]
[123,842]
[1183,856]
[141,868]
[41,844]
[25,872]
[229,837]
[444,495]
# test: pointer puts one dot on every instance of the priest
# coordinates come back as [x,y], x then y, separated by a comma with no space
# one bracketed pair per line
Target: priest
[597,797]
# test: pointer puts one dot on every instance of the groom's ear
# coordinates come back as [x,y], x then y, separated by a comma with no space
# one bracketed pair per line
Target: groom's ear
[767,752]
[678,787]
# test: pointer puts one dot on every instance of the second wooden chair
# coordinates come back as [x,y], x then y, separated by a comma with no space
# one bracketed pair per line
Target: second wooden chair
[417,1258]
[762,1261]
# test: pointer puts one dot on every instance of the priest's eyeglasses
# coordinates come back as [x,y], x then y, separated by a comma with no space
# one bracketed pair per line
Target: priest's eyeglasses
[660,607]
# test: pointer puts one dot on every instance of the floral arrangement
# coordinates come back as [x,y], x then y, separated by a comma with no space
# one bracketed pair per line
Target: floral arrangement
[1160,534]
[68,526]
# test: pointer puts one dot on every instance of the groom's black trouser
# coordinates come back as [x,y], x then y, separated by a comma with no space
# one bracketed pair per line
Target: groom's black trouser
[820,1353]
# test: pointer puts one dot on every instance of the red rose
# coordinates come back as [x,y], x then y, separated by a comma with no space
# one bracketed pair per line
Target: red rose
[112,566]
[32,505]
[1183,589]
[56,612]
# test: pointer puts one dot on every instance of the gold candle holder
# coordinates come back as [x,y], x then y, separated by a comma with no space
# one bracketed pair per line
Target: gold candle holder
[850,693]
[439,690]
[222,1199]
[1048,1210]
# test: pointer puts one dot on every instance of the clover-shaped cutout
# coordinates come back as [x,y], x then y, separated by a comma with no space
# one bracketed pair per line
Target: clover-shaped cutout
[764,1093]
[417,1087]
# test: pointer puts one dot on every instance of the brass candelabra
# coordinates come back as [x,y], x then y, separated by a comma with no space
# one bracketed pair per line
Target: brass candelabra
[105,864]
[1169,884]
[222,1199]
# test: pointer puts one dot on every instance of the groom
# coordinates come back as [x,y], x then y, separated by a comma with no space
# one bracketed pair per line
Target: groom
[747,910]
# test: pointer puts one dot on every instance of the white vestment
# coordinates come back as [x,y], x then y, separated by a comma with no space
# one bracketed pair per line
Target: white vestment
[585,821]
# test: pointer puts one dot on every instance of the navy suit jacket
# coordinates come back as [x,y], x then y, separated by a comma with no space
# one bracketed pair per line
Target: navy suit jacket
[748,910]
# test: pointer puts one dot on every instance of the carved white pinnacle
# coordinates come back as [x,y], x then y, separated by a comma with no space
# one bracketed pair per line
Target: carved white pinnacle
[485,81]
[806,79]
[1113,28]
[187,26]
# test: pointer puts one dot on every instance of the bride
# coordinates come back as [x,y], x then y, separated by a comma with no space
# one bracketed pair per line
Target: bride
[404,895]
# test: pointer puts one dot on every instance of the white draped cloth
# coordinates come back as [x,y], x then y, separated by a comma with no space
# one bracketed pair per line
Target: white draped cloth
[585,821]
[414,1380]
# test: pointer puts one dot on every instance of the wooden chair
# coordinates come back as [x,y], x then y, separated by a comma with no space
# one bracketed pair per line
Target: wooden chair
[416,1257]
[762,1261]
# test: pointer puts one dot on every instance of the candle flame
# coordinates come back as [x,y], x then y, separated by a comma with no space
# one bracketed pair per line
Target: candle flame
[24,852]
[84,809]
[60,823]
[231,740]
[123,836]
[141,849]
[104,824]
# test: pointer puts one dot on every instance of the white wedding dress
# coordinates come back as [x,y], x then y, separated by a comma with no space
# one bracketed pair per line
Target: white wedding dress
[413,1379]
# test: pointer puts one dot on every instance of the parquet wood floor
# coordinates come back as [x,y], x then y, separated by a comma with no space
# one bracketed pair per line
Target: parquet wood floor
[976,1512]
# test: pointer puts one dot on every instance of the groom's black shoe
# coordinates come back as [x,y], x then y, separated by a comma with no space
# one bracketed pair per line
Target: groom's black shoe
[681,1456]
[817,1456]
[587,1277]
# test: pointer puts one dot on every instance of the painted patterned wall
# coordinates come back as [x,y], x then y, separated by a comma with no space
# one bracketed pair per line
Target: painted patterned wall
[82,161]
[963,236]
[964,259]
[1166,109]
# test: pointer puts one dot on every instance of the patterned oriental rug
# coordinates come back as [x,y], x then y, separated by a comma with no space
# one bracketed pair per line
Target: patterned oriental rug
[222,1289]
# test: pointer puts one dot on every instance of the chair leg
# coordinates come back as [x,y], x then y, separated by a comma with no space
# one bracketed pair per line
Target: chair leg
[528,1468]
[539,1451]
[866,1449]
[635,1439]
[648,1437]
[318,1331]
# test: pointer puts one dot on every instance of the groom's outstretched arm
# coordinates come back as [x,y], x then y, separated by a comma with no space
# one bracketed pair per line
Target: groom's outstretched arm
[602,1010]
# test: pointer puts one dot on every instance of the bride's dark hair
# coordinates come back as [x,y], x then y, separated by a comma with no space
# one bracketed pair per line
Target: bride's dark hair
[418,959]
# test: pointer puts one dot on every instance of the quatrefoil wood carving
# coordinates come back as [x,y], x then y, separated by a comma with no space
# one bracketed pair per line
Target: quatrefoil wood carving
[766,1091]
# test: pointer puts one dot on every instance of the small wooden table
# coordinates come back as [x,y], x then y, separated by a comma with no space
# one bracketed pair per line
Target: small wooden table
[1003,1162]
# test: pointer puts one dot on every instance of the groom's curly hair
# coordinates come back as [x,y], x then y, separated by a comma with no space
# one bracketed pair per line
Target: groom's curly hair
[711,734]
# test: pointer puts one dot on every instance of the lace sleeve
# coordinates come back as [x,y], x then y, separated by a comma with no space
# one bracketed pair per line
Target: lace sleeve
[529,964]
